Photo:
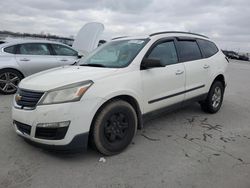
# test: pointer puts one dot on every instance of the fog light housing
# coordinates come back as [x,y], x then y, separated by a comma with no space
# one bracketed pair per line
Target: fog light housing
[54,124]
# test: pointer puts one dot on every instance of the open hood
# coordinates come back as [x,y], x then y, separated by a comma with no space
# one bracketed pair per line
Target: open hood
[88,37]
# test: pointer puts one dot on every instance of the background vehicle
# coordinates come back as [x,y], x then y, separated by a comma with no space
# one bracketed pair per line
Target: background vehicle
[234,55]
[21,58]
[231,54]
[243,58]
[105,98]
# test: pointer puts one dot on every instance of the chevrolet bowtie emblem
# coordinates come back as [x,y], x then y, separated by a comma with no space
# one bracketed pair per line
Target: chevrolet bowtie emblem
[18,97]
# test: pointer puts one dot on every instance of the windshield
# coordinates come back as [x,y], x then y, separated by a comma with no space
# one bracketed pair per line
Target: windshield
[115,54]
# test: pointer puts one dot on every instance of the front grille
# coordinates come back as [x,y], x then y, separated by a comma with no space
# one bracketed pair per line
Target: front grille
[26,98]
[51,133]
[24,128]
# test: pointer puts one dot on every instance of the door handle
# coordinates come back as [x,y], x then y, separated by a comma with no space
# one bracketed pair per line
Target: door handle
[206,66]
[63,60]
[24,59]
[179,72]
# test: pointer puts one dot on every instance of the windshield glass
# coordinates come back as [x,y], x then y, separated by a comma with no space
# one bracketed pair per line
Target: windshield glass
[115,54]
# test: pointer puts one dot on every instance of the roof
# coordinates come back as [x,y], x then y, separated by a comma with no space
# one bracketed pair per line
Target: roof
[170,33]
[177,32]
[11,41]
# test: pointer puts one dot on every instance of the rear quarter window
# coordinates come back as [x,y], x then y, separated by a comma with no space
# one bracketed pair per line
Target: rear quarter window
[188,50]
[208,48]
[10,49]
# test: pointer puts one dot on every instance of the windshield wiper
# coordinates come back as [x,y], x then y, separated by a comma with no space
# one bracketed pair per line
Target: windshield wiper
[93,65]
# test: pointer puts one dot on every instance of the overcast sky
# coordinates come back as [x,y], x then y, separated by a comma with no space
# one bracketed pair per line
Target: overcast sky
[225,21]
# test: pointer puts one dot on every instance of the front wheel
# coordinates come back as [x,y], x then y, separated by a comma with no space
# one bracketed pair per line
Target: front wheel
[114,127]
[214,98]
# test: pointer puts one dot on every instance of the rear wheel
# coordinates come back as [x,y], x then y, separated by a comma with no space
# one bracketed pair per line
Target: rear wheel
[214,98]
[114,127]
[9,80]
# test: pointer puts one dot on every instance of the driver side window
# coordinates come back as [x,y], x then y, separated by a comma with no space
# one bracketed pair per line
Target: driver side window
[165,52]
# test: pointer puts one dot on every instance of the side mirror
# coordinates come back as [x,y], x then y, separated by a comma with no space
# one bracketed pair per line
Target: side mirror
[79,56]
[151,63]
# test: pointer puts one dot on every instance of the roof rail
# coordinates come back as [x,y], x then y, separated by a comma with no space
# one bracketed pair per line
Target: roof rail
[119,37]
[181,32]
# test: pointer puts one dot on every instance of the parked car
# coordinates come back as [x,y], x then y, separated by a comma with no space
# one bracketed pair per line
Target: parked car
[243,58]
[106,96]
[21,58]
[234,55]
[231,54]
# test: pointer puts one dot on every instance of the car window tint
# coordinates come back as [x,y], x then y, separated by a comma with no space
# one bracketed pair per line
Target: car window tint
[63,50]
[188,51]
[165,52]
[208,48]
[10,49]
[34,49]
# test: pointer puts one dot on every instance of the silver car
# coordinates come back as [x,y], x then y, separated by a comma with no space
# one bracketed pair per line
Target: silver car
[21,58]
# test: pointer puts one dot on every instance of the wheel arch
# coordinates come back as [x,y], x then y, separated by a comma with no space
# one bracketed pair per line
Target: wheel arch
[221,78]
[125,97]
[14,69]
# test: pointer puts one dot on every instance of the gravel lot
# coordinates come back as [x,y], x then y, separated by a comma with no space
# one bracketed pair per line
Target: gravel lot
[186,148]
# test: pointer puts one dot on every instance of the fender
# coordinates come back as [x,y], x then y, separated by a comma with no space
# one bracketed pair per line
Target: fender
[215,76]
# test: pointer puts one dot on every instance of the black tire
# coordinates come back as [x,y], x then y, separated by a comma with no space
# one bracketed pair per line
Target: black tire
[9,80]
[114,127]
[212,104]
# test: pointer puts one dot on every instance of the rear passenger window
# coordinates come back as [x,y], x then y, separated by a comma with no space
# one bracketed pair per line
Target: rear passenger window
[10,49]
[165,52]
[34,49]
[208,48]
[188,51]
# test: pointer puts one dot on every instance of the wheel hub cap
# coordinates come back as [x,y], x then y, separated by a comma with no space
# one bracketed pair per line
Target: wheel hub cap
[116,127]
[216,98]
[9,82]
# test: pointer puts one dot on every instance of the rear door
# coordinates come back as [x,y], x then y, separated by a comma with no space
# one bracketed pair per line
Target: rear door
[35,57]
[64,54]
[163,86]
[196,68]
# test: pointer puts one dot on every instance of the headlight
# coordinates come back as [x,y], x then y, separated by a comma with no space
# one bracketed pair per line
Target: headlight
[69,93]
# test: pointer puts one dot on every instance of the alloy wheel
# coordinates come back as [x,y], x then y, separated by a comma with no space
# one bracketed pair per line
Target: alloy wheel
[9,82]
[216,98]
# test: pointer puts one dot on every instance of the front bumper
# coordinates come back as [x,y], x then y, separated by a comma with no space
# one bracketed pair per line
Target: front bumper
[78,143]
[80,114]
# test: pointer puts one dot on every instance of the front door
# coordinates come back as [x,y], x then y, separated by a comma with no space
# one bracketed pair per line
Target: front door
[163,86]
[64,54]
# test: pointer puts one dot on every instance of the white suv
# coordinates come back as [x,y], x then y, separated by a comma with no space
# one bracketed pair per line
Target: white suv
[104,99]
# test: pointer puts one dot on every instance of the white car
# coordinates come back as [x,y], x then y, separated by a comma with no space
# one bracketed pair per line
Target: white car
[21,58]
[105,98]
